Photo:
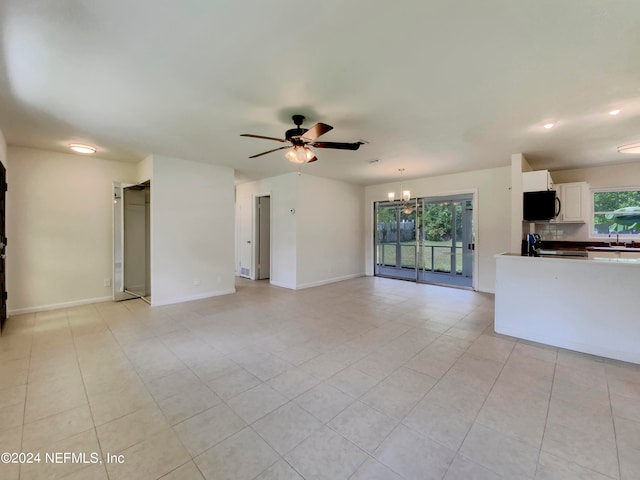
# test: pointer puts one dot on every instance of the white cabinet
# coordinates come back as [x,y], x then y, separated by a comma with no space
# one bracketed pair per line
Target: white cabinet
[536,181]
[573,202]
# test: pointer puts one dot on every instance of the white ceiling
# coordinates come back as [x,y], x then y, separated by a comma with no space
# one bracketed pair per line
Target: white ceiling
[434,86]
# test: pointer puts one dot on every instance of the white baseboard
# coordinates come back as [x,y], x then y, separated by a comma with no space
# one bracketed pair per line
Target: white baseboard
[316,284]
[57,306]
[283,285]
[189,298]
[327,281]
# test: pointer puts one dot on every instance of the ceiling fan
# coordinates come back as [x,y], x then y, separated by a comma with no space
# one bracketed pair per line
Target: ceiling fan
[300,139]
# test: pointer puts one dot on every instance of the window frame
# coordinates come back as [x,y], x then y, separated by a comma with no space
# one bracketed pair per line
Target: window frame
[601,236]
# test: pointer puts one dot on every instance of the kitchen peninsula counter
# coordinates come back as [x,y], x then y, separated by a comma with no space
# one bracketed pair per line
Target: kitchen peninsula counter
[585,305]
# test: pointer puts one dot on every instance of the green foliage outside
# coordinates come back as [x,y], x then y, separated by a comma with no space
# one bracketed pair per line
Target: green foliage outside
[617,212]
[437,221]
[433,231]
[441,255]
[434,219]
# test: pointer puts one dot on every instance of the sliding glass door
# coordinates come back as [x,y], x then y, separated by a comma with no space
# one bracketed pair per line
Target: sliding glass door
[429,241]
[446,240]
[395,240]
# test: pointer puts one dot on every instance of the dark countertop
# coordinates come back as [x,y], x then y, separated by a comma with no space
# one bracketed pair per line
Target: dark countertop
[613,249]
[586,246]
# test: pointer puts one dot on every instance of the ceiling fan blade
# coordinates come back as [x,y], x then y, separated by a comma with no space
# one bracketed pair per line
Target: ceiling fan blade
[338,145]
[262,136]
[315,131]
[269,151]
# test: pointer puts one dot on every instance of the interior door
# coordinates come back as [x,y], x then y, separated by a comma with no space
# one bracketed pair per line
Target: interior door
[135,241]
[264,237]
[3,246]
[131,242]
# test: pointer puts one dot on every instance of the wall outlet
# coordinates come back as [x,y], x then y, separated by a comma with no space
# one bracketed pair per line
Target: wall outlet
[107,282]
[196,282]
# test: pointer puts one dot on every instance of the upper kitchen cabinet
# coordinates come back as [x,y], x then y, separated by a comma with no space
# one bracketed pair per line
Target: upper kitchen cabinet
[573,202]
[537,181]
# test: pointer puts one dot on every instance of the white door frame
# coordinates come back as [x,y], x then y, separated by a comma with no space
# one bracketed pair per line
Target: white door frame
[256,232]
[474,227]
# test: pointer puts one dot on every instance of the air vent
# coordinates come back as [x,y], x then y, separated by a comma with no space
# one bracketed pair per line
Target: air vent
[244,272]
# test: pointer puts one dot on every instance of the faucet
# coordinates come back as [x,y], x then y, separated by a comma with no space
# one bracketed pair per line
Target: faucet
[617,239]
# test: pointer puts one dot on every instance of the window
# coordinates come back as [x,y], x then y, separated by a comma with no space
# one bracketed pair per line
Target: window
[616,212]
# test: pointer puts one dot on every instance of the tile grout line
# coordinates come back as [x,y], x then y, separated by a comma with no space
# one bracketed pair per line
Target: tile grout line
[26,391]
[86,393]
[613,421]
[400,422]
[546,420]
[157,328]
[483,403]
[170,426]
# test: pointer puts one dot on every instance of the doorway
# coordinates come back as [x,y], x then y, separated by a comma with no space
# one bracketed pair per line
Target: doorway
[428,240]
[446,240]
[132,242]
[263,237]
[3,246]
[396,241]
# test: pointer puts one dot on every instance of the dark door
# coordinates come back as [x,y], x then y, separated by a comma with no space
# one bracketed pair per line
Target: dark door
[3,245]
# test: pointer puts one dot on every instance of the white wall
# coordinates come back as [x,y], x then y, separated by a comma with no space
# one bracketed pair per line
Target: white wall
[145,169]
[519,165]
[623,175]
[192,230]
[330,231]
[283,192]
[3,149]
[59,226]
[320,242]
[493,231]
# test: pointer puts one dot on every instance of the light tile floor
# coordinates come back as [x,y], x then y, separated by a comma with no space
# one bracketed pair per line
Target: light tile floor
[369,378]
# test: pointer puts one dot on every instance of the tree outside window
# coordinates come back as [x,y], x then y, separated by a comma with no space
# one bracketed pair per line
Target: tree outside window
[616,212]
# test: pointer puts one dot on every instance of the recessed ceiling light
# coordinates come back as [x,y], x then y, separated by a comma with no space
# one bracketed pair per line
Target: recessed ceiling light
[614,112]
[630,148]
[549,125]
[80,148]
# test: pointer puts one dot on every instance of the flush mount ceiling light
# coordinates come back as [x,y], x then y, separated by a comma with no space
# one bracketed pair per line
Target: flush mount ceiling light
[549,125]
[615,111]
[80,148]
[629,148]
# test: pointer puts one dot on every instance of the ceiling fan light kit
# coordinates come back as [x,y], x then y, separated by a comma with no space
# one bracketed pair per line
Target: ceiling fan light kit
[299,140]
[300,155]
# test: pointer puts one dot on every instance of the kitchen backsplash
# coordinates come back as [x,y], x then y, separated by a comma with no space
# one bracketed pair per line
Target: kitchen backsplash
[570,232]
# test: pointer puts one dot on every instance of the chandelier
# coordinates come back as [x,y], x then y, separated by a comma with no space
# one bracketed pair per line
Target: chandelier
[405,197]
